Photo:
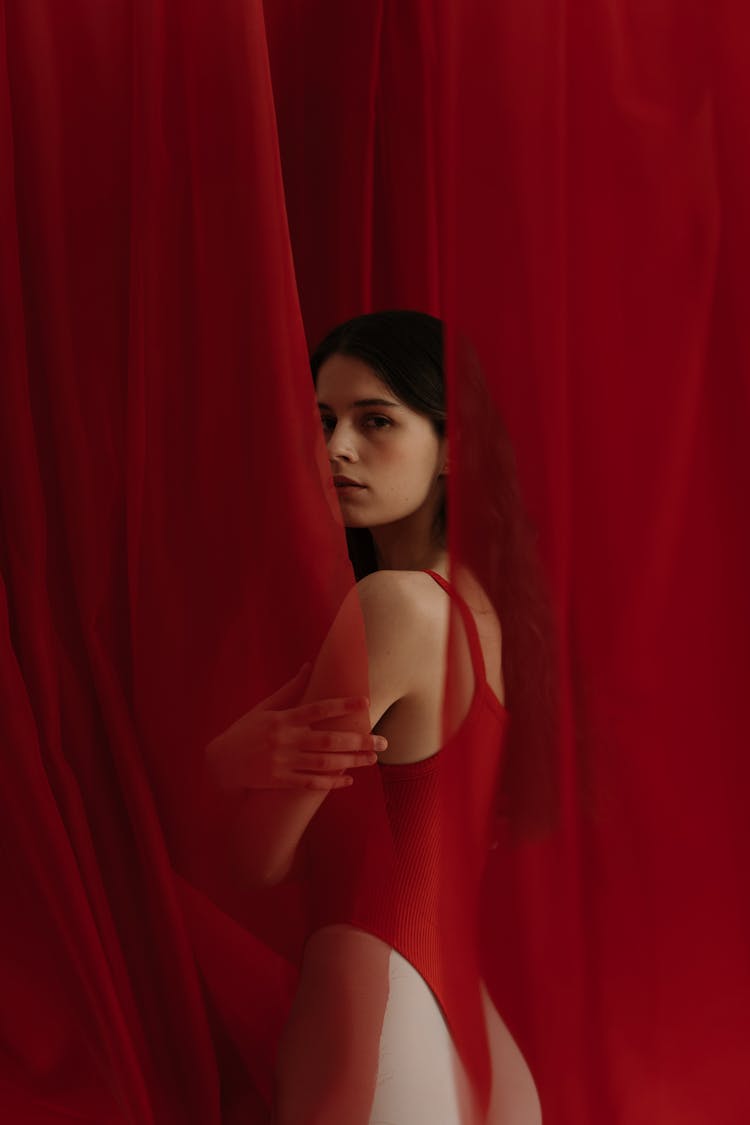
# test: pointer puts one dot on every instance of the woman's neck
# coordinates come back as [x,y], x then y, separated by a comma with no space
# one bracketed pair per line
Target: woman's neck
[404,556]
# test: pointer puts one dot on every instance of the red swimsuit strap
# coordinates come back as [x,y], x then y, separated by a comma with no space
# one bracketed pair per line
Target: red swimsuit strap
[472,633]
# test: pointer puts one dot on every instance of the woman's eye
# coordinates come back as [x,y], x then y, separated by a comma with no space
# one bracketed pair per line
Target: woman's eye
[372,421]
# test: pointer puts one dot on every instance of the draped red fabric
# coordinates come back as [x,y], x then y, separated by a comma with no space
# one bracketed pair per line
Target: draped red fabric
[150,452]
[192,194]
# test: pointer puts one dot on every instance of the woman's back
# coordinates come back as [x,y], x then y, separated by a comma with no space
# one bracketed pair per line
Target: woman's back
[413,725]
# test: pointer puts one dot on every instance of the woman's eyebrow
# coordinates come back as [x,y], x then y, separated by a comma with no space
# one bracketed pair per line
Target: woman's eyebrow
[364,402]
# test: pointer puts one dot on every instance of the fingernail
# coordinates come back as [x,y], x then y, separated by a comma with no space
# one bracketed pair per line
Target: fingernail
[380,743]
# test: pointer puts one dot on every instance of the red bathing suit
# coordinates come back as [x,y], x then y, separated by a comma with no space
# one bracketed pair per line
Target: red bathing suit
[424,902]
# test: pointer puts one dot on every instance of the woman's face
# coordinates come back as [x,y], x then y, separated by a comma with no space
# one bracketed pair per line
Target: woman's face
[390,450]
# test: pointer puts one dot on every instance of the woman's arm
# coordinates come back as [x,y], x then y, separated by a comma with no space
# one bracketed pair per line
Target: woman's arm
[388,606]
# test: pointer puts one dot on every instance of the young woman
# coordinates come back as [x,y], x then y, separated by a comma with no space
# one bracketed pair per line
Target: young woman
[383,1023]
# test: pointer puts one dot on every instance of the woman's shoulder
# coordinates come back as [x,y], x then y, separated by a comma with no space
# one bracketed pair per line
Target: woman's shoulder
[407,590]
[420,585]
[403,632]
[407,612]
[404,604]
[411,602]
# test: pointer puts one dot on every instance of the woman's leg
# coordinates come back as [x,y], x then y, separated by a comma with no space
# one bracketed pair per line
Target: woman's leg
[514,1099]
[328,1057]
[367,1044]
[420,1079]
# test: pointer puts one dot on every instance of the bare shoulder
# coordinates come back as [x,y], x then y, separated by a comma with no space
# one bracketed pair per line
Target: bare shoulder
[390,579]
[417,594]
[399,621]
[405,612]
[405,597]
[403,617]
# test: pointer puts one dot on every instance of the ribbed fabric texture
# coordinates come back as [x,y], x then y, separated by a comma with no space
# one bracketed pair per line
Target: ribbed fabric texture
[415,880]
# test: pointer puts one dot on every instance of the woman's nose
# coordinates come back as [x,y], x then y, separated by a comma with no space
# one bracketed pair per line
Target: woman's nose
[341,444]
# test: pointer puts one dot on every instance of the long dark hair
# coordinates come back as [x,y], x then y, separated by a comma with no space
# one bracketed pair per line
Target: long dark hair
[406,350]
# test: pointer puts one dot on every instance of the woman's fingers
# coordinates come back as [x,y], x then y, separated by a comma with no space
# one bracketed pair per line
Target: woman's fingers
[339,741]
[277,749]
[322,709]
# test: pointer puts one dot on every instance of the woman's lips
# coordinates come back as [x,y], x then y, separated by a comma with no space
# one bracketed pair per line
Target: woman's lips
[349,489]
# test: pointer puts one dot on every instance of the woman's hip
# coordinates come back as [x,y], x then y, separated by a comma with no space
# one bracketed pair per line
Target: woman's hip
[367,1043]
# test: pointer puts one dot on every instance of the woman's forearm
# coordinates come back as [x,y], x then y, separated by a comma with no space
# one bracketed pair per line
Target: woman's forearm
[269,827]
[272,821]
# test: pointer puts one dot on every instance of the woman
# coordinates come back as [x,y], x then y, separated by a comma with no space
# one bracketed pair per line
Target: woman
[384,1025]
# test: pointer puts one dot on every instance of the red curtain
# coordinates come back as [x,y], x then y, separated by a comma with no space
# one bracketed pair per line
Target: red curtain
[187,193]
[569,186]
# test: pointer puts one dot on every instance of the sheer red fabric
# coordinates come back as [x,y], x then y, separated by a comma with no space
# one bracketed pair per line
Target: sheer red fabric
[192,195]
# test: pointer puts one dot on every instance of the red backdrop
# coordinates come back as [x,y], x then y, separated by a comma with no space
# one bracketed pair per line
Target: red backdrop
[567,186]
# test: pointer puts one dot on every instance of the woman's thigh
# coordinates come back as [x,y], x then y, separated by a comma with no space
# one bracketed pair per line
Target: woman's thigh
[367,1044]
[514,1099]
[328,1056]
[420,1078]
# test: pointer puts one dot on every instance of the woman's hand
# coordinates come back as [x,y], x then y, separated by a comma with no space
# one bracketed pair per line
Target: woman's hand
[274,747]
